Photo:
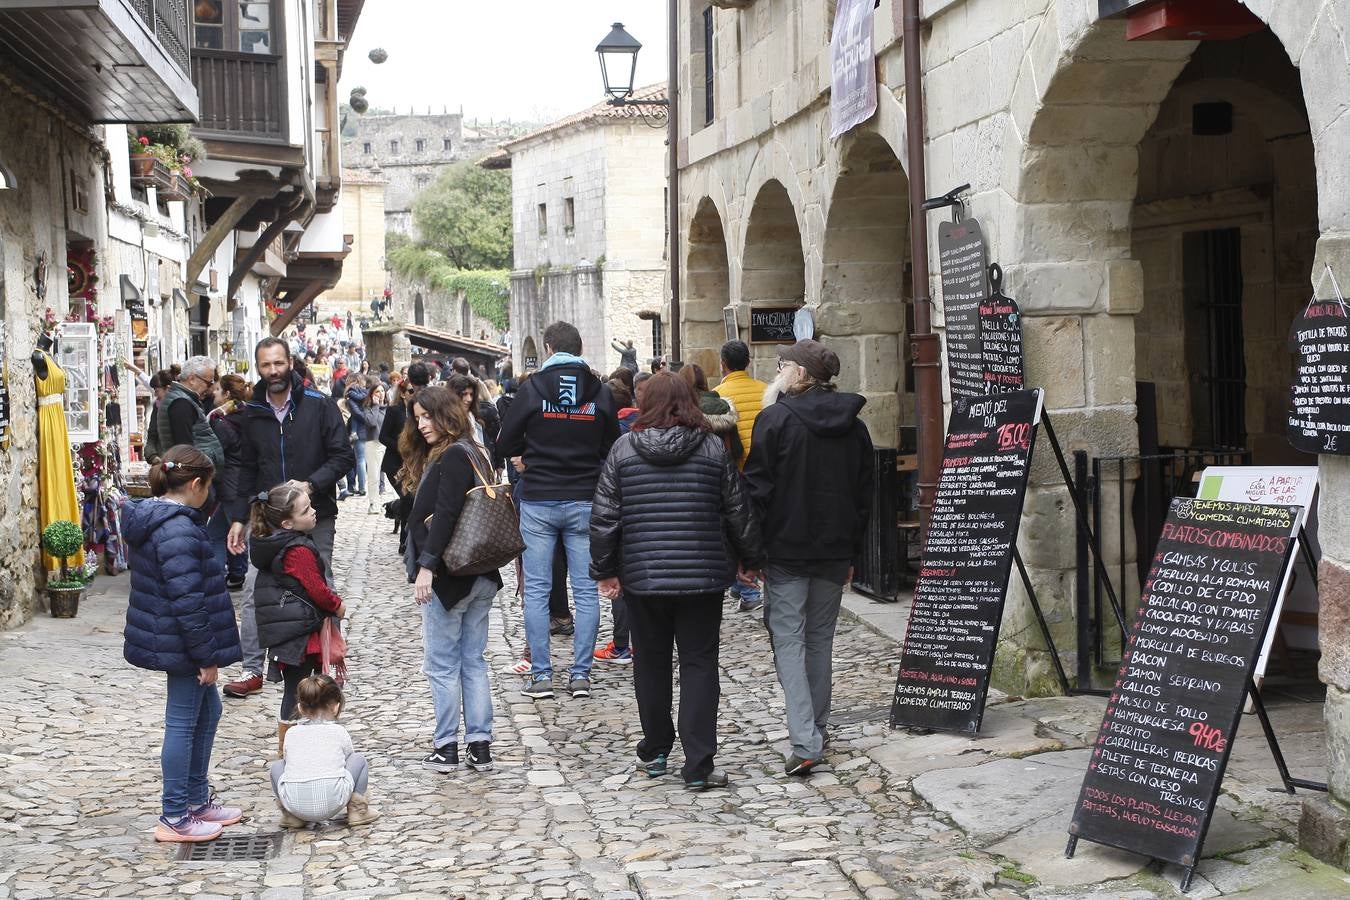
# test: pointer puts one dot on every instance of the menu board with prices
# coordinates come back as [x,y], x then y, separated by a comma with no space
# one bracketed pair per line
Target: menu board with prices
[962,256]
[967,559]
[1001,344]
[1170,721]
[1319,398]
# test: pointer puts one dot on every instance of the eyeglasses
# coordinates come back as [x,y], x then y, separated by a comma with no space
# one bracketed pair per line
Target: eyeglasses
[785,363]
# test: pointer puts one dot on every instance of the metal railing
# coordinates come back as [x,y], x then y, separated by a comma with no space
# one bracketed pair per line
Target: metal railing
[1127,499]
[168,22]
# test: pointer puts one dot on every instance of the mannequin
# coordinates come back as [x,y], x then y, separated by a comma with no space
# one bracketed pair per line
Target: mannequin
[44,346]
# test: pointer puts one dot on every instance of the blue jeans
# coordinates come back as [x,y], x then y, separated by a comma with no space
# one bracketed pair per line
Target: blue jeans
[454,641]
[745,593]
[217,529]
[542,522]
[356,478]
[191,714]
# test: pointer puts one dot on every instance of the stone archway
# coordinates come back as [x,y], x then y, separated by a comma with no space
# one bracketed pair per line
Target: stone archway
[773,267]
[529,352]
[419,309]
[862,313]
[707,288]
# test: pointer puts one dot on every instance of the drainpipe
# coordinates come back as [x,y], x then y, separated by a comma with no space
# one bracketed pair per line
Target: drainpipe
[673,181]
[925,349]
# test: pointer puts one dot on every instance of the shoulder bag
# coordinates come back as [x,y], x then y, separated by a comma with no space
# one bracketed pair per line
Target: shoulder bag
[487,535]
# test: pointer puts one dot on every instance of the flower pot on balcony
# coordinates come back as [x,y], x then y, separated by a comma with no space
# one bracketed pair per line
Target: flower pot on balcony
[142,165]
[174,187]
[64,602]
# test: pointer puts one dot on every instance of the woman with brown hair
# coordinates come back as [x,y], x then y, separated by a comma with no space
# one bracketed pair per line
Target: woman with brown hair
[719,411]
[227,421]
[669,524]
[440,462]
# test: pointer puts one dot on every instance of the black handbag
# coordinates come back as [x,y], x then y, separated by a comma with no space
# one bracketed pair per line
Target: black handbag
[487,534]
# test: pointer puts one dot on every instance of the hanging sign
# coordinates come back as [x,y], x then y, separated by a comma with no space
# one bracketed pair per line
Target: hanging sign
[962,256]
[1319,398]
[1000,338]
[853,68]
[1170,722]
[773,324]
[967,557]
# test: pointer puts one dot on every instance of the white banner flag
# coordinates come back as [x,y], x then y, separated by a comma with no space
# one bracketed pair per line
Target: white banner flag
[853,70]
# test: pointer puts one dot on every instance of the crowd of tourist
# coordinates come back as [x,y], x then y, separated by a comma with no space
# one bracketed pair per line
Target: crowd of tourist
[647,490]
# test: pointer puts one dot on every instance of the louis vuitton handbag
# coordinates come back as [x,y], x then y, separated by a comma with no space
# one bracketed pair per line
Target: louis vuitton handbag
[487,535]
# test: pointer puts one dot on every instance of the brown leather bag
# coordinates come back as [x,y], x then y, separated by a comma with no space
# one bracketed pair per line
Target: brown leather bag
[487,535]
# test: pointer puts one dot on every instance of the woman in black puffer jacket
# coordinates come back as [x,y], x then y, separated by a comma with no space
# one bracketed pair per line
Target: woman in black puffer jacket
[669,525]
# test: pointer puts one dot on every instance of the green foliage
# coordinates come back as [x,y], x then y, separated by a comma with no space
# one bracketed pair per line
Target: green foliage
[488,291]
[466,216]
[62,538]
[176,138]
[394,240]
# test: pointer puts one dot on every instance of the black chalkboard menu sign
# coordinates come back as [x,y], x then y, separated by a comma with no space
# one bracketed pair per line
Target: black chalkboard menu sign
[4,390]
[1001,344]
[962,256]
[967,557]
[1319,399]
[772,324]
[1171,719]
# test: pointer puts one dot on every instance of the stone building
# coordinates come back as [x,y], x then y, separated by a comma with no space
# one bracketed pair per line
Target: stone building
[363,274]
[411,151]
[1161,208]
[588,201]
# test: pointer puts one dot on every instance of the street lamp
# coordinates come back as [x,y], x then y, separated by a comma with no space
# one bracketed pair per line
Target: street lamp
[618,54]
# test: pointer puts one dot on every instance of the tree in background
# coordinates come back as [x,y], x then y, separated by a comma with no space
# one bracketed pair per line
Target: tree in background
[466,216]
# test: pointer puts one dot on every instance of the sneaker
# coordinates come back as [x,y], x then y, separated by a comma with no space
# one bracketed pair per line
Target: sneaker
[714,779]
[751,605]
[344,494]
[798,766]
[611,654]
[561,626]
[249,684]
[186,830]
[235,582]
[442,759]
[521,667]
[211,811]
[480,756]
[652,768]
[580,687]
[540,688]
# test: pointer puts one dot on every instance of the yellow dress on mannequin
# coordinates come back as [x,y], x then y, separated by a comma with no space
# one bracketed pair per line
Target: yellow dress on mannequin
[56,476]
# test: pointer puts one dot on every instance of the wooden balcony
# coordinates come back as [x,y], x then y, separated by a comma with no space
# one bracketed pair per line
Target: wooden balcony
[105,60]
[243,96]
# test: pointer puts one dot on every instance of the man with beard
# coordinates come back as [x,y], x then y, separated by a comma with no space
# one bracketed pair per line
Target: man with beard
[290,433]
[809,475]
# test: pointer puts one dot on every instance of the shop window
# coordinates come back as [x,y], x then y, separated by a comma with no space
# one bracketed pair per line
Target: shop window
[245,26]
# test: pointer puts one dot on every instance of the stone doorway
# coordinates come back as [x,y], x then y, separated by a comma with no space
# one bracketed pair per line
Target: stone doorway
[773,268]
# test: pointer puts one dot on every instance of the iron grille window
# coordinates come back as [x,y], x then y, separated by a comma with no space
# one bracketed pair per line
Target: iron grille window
[1212,262]
[658,338]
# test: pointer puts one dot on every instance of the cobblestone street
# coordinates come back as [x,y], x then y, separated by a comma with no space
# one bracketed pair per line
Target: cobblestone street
[564,814]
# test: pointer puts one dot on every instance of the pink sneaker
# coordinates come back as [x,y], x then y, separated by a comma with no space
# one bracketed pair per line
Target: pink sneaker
[214,813]
[187,830]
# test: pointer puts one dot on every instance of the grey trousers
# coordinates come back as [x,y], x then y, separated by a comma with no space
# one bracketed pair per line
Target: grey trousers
[801,613]
[255,663]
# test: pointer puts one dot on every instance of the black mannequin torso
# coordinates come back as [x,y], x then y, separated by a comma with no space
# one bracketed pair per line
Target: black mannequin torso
[44,345]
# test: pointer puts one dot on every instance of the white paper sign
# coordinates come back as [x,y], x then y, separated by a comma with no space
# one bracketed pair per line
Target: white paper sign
[853,68]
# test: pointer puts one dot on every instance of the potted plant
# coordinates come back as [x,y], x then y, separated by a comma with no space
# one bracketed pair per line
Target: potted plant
[142,160]
[64,539]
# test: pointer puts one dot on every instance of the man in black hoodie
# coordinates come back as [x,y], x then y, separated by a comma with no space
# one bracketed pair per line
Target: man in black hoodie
[562,423]
[290,433]
[810,477]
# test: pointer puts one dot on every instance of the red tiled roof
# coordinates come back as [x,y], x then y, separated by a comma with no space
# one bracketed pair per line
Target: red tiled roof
[603,111]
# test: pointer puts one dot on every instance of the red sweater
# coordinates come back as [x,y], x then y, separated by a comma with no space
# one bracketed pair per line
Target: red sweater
[301,564]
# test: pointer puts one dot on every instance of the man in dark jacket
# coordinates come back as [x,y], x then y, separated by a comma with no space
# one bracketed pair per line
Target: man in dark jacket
[562,423]
[182,417]
[290,433]
[810,478]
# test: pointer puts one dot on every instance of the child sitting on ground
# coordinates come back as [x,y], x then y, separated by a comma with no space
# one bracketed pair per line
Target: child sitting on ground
[321,773]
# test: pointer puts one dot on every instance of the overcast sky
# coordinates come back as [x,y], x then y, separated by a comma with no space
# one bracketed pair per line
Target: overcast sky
[498,59]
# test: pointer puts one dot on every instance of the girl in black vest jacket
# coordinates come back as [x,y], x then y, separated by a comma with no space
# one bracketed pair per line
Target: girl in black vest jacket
[669,523]
[291,598]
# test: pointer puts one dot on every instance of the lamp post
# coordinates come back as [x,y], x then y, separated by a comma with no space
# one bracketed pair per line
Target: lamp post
[618,54]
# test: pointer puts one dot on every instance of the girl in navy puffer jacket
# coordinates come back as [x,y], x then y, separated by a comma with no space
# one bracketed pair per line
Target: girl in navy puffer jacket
[180,621]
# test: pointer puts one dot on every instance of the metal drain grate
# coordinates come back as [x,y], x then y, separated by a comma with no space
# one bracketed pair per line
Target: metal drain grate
[233,848]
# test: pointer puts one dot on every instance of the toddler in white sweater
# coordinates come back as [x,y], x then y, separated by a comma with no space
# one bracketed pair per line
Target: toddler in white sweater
[321,772]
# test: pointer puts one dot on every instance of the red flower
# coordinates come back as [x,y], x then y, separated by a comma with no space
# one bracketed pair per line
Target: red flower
[143,141]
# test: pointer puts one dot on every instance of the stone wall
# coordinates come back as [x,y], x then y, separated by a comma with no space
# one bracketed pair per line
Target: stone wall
[445,311]
[44,152]
[363,275]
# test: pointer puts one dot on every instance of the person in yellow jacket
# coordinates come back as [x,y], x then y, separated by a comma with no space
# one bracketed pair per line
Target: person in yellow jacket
[746,394]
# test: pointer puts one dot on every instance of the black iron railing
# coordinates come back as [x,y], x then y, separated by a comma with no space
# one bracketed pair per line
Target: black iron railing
[168,22]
